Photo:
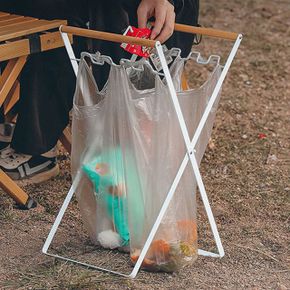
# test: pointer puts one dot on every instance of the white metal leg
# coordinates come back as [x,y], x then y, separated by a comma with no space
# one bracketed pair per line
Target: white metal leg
[190,145]
[61,212]
[70,51]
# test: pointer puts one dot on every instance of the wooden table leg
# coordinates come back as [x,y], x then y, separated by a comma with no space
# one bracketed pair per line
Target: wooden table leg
[9,92]
[10,75]
[12,98]
[65,139]
[20,196]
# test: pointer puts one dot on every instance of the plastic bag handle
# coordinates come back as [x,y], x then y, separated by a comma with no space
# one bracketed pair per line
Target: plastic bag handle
[113,37]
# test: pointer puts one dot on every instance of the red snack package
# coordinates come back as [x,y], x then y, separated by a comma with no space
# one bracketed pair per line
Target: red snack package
[133,48]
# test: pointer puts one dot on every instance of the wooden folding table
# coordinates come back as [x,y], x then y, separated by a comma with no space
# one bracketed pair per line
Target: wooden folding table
[21,36]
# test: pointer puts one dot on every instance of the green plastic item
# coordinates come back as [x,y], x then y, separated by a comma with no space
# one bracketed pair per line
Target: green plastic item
[106,171]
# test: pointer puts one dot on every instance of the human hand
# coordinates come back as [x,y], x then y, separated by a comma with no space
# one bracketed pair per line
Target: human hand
[164,14]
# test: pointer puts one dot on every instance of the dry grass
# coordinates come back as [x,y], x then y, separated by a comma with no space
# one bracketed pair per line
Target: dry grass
[247,179]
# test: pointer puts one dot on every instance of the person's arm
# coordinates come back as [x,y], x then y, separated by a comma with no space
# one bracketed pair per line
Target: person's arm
[163,12]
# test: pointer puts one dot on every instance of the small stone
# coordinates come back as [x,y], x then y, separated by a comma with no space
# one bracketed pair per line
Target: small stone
[244,77]
[225,170]
[211,144]
[244,136]
[272,159]
[281,287]
[218,211]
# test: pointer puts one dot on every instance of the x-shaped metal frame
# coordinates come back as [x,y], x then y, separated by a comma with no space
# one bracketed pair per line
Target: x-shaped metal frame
[190,145]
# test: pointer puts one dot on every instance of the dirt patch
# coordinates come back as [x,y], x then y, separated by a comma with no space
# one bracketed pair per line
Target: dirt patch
[246,170]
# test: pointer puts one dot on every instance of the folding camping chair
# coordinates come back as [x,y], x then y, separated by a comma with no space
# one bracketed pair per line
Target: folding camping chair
[20,37]
[190,144]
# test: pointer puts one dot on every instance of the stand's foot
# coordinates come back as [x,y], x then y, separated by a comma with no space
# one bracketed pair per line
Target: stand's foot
[31,203]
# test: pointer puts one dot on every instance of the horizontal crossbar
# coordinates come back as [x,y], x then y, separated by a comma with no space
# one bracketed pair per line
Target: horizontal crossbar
[113,37]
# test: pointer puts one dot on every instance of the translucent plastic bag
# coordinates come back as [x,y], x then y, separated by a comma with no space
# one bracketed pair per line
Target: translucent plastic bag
[127,142]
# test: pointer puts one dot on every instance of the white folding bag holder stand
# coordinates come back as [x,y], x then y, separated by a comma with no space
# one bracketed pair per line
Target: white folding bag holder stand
[190,144]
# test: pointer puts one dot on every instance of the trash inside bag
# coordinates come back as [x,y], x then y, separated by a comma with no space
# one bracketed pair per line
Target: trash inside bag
[170,255]
[128,144]
[105,173]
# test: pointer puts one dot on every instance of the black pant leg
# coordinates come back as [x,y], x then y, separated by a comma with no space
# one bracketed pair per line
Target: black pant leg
[47,87]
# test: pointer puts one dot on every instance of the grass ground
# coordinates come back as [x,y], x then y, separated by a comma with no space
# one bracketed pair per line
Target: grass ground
[247,178]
